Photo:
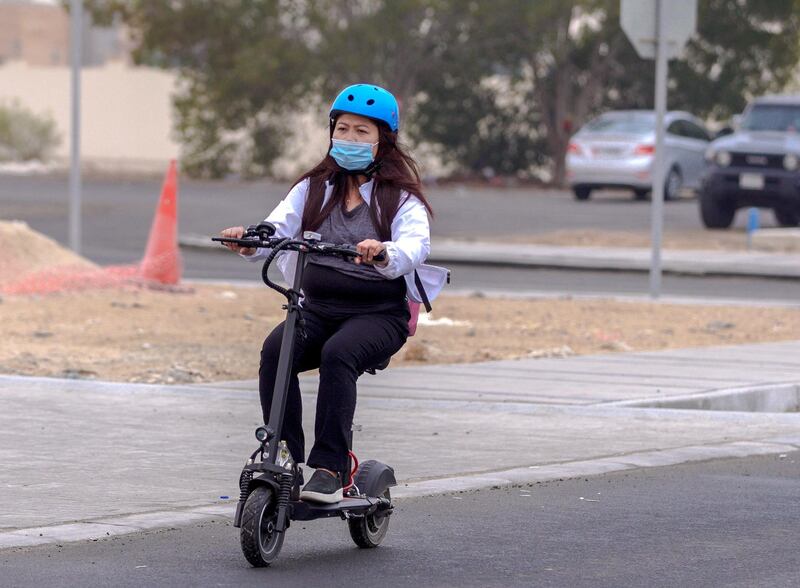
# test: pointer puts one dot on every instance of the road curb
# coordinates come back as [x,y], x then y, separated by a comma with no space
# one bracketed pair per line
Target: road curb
[697,263]
[103,528]
[546,295]
[781,398]
[595,467]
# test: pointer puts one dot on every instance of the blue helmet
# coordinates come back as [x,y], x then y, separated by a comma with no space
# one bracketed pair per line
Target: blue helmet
[370,101]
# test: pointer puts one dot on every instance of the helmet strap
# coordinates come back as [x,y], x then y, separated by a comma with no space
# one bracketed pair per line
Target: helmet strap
[372,169]
[369,171]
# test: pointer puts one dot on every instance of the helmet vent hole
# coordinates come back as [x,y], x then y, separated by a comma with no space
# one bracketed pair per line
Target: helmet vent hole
[370,102]
[350,97]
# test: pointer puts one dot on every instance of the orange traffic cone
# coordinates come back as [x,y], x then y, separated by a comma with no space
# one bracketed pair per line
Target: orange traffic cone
[162,260]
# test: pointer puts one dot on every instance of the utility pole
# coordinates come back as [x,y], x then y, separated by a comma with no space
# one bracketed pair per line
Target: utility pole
[76,41]
[658,30]
[657,204]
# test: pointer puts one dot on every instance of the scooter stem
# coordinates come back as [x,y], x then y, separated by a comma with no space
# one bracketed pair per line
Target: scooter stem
[283,372]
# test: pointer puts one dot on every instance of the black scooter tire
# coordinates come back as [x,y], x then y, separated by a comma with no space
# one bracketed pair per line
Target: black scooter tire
[368,531]
[259,546]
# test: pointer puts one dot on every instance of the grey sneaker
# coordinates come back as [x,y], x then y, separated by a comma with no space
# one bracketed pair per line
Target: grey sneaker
[322,487]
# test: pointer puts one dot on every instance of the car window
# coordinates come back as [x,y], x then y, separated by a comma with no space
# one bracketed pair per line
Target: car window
[772,117]
[624,123]
[676,128]
[695,131]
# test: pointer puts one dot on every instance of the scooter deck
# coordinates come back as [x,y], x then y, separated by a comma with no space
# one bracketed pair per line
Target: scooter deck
[306,511]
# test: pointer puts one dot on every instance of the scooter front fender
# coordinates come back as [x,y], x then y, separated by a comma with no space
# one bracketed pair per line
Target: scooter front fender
[374,477]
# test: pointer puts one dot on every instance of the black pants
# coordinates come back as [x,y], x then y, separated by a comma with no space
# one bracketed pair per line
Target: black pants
[342,340]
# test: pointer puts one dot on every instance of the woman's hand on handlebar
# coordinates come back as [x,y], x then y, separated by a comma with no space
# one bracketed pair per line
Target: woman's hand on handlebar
[368,249]
[236,233]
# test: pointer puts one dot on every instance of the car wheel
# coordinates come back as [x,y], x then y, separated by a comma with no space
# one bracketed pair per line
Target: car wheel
[716,213]
[786,217]
[673,184]
[582,192]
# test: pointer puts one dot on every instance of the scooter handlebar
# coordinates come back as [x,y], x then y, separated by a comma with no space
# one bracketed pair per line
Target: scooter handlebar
[317,247]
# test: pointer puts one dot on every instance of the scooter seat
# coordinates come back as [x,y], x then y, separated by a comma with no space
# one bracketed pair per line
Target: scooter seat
[378,367]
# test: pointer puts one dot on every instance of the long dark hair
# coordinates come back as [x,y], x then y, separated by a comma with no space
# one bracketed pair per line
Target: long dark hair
[396,172]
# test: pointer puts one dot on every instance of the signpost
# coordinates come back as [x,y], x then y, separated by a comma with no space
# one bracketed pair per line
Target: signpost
[76,38]
[658,30]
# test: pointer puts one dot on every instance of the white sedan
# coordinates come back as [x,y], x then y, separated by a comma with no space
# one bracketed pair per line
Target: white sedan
[616,150]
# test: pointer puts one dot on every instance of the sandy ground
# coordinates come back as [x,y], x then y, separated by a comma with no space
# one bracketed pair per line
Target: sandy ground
[212,333]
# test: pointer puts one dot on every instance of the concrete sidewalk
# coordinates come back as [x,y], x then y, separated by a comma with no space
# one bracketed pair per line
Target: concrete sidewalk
[692,262]
[83,459]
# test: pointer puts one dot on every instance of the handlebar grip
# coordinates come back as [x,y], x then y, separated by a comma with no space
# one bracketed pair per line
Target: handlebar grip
[379,257]
[240,242]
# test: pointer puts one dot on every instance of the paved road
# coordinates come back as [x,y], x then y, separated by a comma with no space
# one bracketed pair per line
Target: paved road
[723,523]
[202,264]
[124,209]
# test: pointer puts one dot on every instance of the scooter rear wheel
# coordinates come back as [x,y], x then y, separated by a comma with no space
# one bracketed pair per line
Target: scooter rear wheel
[261,543]
[368,531]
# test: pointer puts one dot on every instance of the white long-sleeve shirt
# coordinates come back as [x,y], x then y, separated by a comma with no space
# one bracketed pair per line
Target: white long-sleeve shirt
[406,251]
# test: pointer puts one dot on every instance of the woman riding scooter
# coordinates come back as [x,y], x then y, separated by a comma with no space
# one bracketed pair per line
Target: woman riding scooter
[365,191]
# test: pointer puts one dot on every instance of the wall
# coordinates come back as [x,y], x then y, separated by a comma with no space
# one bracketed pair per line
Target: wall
[126,112]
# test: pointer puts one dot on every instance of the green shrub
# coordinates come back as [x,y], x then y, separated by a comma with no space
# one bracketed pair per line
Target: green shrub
[24,135]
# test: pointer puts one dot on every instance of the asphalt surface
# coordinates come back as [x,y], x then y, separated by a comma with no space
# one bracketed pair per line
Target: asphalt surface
[225,266]
[719,523]
[117,214]
[622,283]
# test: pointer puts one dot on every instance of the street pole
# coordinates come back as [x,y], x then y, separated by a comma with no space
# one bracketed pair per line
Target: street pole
[76,12]
[657,204]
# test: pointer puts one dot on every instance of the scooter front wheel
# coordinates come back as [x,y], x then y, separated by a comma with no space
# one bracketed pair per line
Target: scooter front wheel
[261,543]
[368,531]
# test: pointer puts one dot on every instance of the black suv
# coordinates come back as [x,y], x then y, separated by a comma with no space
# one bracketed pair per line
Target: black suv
[759,165]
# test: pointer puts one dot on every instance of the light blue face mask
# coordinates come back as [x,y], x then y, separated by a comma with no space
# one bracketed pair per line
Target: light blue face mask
[352,155]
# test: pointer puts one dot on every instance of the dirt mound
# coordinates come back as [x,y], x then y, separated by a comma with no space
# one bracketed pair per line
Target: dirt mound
[25,252]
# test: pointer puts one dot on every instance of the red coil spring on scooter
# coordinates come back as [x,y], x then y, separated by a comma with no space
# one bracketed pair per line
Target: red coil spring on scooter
[353,471]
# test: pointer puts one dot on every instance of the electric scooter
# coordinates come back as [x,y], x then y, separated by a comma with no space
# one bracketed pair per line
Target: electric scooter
[270,481]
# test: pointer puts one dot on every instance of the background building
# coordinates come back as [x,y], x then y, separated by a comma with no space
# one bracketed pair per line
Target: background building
[38,34]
